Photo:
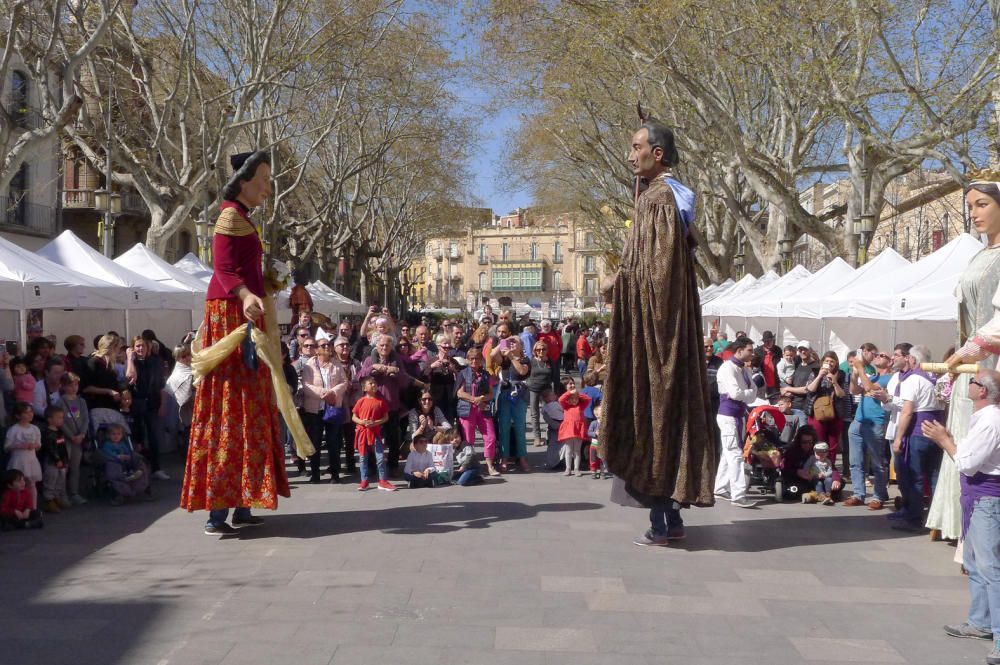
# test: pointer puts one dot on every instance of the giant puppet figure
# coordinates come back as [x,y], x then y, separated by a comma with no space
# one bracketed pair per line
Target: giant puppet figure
[657,431]
[235,455]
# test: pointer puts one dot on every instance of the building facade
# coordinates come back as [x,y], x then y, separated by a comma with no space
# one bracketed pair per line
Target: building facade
[546,262]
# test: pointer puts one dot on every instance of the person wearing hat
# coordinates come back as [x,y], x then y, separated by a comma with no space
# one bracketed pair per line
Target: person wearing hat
[805,372]
[768,355]
[820,471]
[235,456]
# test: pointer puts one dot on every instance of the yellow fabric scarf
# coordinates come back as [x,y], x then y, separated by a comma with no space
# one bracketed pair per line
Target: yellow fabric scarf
[204,360]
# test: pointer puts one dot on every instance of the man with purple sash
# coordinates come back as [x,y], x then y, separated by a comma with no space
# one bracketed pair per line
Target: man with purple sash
[736,390]
[977,458]
[917,458]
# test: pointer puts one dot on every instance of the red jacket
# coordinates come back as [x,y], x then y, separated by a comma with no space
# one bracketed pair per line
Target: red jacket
[15,501]
[583,350]
[574,424]
[236,258]
[553,341]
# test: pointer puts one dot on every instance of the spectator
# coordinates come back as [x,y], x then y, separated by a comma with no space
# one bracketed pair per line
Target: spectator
[528,335]
[323,386]
[512,403]
[553,351]
[823,392]
[977,457]
[427,419]
[302,331]
[866,434]
[720,344]
[552,412]
[805,372]
[6,384]
[794,419]
[591,390]
[144,374]
[47,390]
[76,362]
[370,413]
[475,406]
[101,387]
[351,369]
[419,470]
[539,379]
[16,508]
[573,429]
[597,465]
[768,355]
[441,372]
[597,363]
[76,428]
[24,382]
[392,379]
[126,471]
[22,441]
[55,461]
[819,470]
[713,363]
[917,458]
[583,352]
[180,386]
[794,459]
[466,460]
[346,330]
[786,367]
[735,391]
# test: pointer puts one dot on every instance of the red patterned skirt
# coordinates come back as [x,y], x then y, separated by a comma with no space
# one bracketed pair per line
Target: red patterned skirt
[235,456]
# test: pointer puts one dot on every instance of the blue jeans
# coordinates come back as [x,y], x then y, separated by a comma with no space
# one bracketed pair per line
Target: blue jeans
[981,556]
[513,413]
[379,461]
[219,517]
[664,517]
[581,365]
[924,460]
[468,477]
[868,437]
[824,486]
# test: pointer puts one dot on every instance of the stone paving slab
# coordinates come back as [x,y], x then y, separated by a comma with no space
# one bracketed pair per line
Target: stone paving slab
[537,569]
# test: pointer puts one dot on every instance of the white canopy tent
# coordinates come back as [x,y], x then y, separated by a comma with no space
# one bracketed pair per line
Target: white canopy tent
[344,305]
[713,307]
[28,281]
[712,290]
[160,307]
[140,259]
[741,313]
[725,308]
[192,265]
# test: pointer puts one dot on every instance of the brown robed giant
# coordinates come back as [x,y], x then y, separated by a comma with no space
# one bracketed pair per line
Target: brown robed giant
[657,430]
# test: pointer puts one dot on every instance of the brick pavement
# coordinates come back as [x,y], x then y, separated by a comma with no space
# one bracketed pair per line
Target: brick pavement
[534,569]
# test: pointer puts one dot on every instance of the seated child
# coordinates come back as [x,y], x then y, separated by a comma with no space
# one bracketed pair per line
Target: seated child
[17,509]
[124,469]
[819,469]
[468,472]
[419,469]
[552,413]
[597,465]
[573,429]
[55,461]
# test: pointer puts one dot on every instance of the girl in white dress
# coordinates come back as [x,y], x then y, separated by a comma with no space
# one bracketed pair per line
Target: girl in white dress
[22,442]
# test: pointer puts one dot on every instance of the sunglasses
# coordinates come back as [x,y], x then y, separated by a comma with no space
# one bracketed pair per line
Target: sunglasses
[882,355]
[324,346]
[973,382]
[303,335]
[308,346]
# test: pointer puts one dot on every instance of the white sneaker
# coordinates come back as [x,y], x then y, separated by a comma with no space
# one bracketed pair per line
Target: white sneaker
[745,503]
[77,500]
[160,475]
[723,496]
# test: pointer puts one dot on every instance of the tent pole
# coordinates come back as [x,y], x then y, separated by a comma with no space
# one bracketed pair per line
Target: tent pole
[22,324]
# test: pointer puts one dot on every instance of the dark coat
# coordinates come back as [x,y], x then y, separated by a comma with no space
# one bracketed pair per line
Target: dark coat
[658,430]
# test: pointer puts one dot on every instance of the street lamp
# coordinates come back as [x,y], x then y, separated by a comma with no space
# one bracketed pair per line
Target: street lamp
[738,262]
[110,205]
[864,229]
[785,246]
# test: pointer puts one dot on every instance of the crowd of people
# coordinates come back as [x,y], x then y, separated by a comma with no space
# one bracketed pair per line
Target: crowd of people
[375,395]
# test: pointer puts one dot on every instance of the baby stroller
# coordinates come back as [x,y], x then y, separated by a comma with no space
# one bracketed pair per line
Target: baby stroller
[100,419]
[763,450]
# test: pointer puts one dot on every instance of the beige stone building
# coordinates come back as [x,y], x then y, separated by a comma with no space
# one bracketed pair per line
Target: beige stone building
[546,262]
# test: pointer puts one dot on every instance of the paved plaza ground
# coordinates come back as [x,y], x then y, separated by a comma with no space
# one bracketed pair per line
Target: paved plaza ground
[533,569]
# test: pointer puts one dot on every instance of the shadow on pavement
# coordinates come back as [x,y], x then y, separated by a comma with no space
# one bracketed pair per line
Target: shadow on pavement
[435,518]
[764,535]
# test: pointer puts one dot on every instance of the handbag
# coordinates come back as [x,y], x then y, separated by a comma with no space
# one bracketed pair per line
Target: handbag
[823,409]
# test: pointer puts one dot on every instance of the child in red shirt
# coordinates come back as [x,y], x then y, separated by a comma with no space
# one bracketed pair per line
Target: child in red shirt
[368,414]
[573,429]
[17,509]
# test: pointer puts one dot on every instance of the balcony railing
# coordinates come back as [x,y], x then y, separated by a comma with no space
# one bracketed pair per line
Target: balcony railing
[16,212]
[24,115]
[132,202]
[83,199]
[483,260]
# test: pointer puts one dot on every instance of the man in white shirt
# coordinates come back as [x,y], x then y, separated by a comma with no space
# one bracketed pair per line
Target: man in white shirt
[977,458]
[736,390]
[917,458]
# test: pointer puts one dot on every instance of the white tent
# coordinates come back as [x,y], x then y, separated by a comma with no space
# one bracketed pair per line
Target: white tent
[748,307]
[160,307]
[712,290]
[343,304]
[140,259]
[712,308]
[32,282]
[192,265]
[852,298]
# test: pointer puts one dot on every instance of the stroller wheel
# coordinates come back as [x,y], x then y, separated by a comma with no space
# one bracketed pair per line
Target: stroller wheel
[779,491]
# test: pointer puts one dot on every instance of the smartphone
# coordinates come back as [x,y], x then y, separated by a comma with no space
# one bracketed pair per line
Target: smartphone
[11,347]
[504,344]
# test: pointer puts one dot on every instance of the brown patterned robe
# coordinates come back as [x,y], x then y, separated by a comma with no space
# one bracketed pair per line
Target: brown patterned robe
[657,430]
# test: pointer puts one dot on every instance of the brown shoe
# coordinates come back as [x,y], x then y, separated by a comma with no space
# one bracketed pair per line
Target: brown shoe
[853,501]
[874,504]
